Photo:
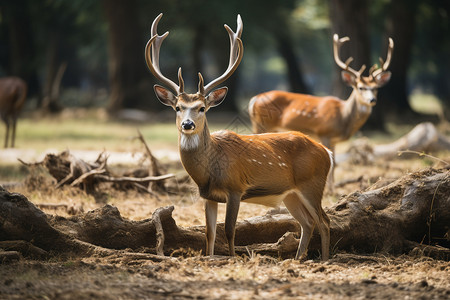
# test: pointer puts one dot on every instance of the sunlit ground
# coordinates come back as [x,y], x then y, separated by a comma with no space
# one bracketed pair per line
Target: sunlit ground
[425,103]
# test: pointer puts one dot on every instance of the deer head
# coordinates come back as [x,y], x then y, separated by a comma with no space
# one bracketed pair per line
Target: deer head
[365,87]
[191,108]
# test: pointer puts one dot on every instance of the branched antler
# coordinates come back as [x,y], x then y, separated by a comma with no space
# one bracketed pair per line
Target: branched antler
[337,43]
[152,58]
[374,71]
[236,54]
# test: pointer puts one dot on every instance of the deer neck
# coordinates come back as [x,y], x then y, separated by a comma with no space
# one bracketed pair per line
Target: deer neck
[354,113]
[195,152]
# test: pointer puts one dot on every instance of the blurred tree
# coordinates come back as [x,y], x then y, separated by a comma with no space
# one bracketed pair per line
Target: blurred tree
[430,69]
[271,22]
[394,97]
[130,83]
[285,45]
[443,49]
[18,54]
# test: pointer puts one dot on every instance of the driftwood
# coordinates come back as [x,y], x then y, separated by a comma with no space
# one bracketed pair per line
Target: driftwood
[68,169]
[423,138]
[411,214]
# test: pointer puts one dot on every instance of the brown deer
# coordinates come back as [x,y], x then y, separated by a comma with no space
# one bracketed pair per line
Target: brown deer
[328,119]
[13,92]
[229,168]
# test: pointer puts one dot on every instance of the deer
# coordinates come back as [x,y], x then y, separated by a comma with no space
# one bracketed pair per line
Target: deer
[328,119]
[231,168]
[13,92]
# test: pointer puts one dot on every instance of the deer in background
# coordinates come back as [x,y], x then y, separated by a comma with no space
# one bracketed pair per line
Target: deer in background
[231,168]
[328,119]
[13,91]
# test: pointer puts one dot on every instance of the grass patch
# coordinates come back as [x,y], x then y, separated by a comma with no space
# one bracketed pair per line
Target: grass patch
[12,172]
[88,134]
[91,133]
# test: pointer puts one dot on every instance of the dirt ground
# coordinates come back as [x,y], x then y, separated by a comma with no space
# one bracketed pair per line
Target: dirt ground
[189,275]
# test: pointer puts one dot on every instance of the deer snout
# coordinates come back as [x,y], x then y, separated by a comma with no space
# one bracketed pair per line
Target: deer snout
[373,101]
[188,125]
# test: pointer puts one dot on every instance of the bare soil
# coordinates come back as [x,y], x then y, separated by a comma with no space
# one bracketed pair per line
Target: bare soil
[189,275]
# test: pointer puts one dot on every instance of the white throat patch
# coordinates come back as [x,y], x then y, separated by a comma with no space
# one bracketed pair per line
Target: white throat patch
[363,108]
[189,141]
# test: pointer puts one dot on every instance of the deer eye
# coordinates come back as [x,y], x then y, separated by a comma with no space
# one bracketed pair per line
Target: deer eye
[177,108]
[202,109]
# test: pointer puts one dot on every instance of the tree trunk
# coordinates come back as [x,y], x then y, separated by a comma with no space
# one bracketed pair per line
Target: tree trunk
[130,82]
[21,50]
[401,27]
[49,102]
[295,76]
[440,39]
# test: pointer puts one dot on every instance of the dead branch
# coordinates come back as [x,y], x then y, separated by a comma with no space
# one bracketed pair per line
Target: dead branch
[26,248]
[85,176]
[154,169]
[70,170]
[51,206]
[35,164]
[156,219]
[137,180]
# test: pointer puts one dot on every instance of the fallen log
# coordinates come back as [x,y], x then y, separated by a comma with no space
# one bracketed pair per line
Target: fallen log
[423,138]
[397,218]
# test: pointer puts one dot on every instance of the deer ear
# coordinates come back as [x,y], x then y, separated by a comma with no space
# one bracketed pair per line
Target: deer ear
[382,78]
[216,97]
[348,77]
[165,96]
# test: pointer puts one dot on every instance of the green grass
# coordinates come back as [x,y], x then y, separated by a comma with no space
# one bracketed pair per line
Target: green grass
[12,171]
[89,134]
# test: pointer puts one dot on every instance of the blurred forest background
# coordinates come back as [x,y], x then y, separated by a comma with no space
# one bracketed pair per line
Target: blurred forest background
[84,53]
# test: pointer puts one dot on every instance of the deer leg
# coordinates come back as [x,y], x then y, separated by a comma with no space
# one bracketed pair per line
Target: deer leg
[312,196]
[7,132]
[13,134]
[233,203]
[296,205]
[211,221]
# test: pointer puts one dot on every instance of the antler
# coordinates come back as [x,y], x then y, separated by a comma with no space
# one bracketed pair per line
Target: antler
[374,70]
[236,54]
[153,59]
[337,43]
